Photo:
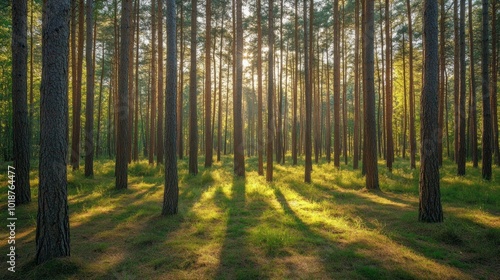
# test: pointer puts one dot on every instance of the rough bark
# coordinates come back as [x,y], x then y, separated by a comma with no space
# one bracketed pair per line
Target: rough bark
[430,209]
[461,156]
[171,194]
[356,88]
[442,92]
[89,109]
[19,101]
[239,153]
[123,92]
[369,97]
[193,124]
[52,232]
[159,126]
[486,157]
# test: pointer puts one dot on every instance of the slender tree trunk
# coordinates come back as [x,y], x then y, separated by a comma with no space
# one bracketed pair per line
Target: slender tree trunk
[32,101]
[462,99]
[208,85]
[472,98]
[356,87]
[344,87]
[171,193]
[20,124]
[260,128]
[180,95]
[193,124]
[413,141]
[295,82]
[328,132]
[388,90]
[430,209]
[442,67]
[369,98]
[152,117]
[137,101]
[89,109]
[77,102]
[270,94]
[405,102]
[99,110]
[131,87]
[486,156]
[456,79]
[336,85]
[122,137]
[52,232]
[494,75]
[308,101]
[239,152]
[161,103]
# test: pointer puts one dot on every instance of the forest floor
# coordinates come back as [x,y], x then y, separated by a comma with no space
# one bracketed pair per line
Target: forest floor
[233,228]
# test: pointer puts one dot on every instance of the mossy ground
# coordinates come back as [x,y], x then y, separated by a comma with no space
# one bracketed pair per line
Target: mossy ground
[234,228]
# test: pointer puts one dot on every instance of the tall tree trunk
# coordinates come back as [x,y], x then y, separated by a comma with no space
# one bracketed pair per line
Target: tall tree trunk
[270,94]
[77,102]
[208,85]
[99,109]
[89,109]
[159,127]
[462,99]
[405,102]
[486,157]
[369,98]
[123,92]
[52,232]
[152,117]
[413,141]
[494,75]
[137,101]
[180,95]
[344,87]
[295,82]
[279,132]
[131,96]
[260,127]
[472,97]
[328,132]
[171,193]
[356,87]
[388,89]
[308,101]
[430,209]
[219,117]
[31,97]
[193,123]
[239,152]
[456,79]
[19,102]
[336,85]
[442,67]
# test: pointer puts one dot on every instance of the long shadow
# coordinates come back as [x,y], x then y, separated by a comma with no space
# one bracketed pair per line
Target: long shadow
[236,260]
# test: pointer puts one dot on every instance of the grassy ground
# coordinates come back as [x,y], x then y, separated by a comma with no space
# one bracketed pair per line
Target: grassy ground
[232,228]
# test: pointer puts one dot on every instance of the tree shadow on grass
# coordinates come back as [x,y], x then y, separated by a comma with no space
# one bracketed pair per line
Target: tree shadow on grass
[237,261]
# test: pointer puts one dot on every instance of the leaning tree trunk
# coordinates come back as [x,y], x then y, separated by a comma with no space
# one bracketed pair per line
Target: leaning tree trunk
[52,232]
[430,209]
[19,101]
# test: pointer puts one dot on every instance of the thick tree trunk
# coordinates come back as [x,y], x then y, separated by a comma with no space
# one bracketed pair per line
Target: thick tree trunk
[486,157]
[123,92]
[193,123]
[369,98]
[52,232]
[89,109]
[430,209]
[20,102]
[171,194]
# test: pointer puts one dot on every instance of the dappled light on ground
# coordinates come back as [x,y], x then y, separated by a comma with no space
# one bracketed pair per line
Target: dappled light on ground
[234,228]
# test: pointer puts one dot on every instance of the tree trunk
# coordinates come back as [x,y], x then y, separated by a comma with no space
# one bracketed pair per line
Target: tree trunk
[308,101]
[388,90]
[442,67]
[99,109]
[456,79]
[193,124]
[137,101]
[369,98]
[430,209]
[159,135]
[239,152]
[152,118]
[89,109]
[493,97]
[19,102]
[472,97]
[413,141]
[461,157]
[486,157]
[356,87]
[122,129]
[295,83]
[270,94]
[219,117]
[208,85]
[336,85]
[77,101]
[171,194]
[180,95]
[52,232]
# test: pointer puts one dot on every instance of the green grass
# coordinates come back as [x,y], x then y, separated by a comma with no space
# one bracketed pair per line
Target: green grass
[235,228]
